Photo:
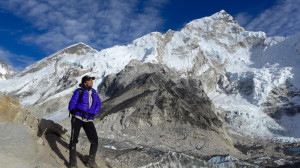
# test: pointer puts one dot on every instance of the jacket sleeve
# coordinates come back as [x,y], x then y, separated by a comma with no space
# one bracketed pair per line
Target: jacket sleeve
[74,100]
[98,105]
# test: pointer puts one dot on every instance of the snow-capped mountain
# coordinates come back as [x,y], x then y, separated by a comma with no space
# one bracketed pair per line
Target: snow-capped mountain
[248,76]
[5,70]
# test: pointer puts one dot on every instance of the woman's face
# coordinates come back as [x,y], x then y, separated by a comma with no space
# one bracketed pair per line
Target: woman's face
[89,83]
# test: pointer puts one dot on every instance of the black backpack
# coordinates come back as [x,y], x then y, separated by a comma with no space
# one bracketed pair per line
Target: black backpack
[80,96]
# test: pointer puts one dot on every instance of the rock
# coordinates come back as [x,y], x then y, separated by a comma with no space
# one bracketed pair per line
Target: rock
[18,149]
[150,105]
[9,108]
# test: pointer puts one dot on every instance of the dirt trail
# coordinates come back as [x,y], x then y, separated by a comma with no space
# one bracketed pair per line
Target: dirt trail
[59,150]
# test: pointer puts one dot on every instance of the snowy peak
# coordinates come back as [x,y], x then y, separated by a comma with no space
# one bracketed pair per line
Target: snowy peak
[217,18]
[79,49]
[5,70]
[51,75]
[76,50]
[222,15]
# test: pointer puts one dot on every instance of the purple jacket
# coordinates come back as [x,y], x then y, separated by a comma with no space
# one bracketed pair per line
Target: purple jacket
[84,103]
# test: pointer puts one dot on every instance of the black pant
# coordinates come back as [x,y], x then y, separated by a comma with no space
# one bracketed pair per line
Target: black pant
[89,129]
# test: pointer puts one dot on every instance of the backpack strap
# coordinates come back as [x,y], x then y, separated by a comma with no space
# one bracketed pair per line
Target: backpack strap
[80,94]
[79,99]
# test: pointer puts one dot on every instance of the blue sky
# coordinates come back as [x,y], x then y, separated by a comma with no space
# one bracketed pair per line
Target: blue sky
[33,29]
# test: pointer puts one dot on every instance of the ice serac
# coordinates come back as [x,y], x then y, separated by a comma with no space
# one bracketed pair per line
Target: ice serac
[5,70]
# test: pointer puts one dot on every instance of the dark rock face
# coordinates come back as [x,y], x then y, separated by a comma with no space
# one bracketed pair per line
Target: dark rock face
[151,105]
[176,99]
[232,83]
[279,101]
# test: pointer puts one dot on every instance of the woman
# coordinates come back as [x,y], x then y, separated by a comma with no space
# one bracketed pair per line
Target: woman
[84,105]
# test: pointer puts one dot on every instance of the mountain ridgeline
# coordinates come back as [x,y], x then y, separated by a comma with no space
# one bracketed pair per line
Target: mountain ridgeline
[211,94]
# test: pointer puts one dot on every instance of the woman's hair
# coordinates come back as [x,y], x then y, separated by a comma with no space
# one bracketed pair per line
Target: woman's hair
[80,84]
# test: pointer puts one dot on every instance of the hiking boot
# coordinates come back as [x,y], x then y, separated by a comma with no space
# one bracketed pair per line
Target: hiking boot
[92,165]
[92,155]
[72,159]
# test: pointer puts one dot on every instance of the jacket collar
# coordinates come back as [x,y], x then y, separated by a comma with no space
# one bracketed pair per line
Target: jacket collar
[82,87]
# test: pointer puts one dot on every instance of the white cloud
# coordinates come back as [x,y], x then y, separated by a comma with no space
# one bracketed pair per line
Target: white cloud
[243,18]
[17,62]
[282,19]
[99,23]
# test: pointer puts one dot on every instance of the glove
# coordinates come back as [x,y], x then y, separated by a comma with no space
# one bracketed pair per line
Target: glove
[73,111]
